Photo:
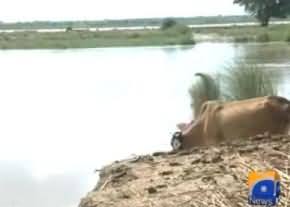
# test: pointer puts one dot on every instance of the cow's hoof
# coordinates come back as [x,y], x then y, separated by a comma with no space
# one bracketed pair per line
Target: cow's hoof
[176,141]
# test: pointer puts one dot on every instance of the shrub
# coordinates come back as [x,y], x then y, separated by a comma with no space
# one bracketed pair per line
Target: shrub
[187,40]
[134,35]
[264,37]
[168,23]
[205,89]
[241,39]
[181,29]
[68,29]
[178,29]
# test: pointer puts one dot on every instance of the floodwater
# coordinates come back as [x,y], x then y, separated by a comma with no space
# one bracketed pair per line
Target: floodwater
[65,113]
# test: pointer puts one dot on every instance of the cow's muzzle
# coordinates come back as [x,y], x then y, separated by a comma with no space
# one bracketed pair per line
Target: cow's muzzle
[176,141]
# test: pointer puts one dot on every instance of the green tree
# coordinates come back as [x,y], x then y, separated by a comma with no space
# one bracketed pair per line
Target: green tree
[168,23]
[263,10]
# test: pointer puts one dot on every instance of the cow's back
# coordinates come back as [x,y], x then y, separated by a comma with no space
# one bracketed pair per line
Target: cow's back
[250,117]
[219,121]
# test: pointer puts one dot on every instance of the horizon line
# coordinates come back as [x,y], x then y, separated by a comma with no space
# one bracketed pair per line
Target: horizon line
[121,19]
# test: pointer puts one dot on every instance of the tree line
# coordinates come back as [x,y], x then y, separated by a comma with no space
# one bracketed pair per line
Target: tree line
[264,10]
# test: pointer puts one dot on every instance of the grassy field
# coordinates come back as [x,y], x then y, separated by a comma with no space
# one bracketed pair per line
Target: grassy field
[179,35]
[88,39]
[250,33]
[124,22]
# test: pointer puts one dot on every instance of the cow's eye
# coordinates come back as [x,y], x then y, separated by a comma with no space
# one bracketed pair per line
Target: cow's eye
[176,141]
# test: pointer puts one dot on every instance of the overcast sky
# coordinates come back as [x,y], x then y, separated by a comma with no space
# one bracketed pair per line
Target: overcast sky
[28,10]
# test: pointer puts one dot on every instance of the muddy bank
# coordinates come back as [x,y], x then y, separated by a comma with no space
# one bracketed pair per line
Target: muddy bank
[204,176]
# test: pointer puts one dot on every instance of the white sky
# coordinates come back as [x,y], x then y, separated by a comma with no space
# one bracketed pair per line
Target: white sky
[28,10]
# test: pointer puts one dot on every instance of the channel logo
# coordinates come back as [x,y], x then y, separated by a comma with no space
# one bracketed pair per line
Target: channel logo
[264,188]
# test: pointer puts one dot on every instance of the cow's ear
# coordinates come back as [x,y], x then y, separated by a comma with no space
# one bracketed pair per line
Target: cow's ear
[181,126]
[286,107]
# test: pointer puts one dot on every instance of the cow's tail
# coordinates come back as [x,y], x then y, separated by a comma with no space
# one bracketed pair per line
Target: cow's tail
[211,86]
[205,90]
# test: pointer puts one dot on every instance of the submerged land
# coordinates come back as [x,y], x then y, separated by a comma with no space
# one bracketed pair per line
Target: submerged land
[272,33]
[107,33]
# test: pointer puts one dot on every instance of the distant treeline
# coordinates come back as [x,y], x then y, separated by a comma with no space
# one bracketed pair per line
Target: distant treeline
[124,22]
[127,22]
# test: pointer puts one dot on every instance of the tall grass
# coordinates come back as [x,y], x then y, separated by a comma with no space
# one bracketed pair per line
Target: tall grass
[243,81]
[238,81]
[204,89]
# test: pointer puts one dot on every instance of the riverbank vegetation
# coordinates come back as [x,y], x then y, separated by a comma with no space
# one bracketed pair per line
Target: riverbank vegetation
[177,34]
[272,33]
[238,81]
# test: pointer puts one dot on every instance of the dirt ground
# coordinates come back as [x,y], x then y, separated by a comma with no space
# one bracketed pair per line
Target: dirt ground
[201,177]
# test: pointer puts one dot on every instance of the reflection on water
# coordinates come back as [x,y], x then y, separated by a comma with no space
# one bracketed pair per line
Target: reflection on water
[270,56]
[266,53]
[68,112]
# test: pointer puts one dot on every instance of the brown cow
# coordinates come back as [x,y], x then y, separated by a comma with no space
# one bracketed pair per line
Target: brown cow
[220,121]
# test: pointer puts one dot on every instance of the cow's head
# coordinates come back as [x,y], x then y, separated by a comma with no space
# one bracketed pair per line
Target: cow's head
[188,137]
[176,141]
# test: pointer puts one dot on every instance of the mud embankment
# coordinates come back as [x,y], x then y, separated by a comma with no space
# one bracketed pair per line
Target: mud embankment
[203,177]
